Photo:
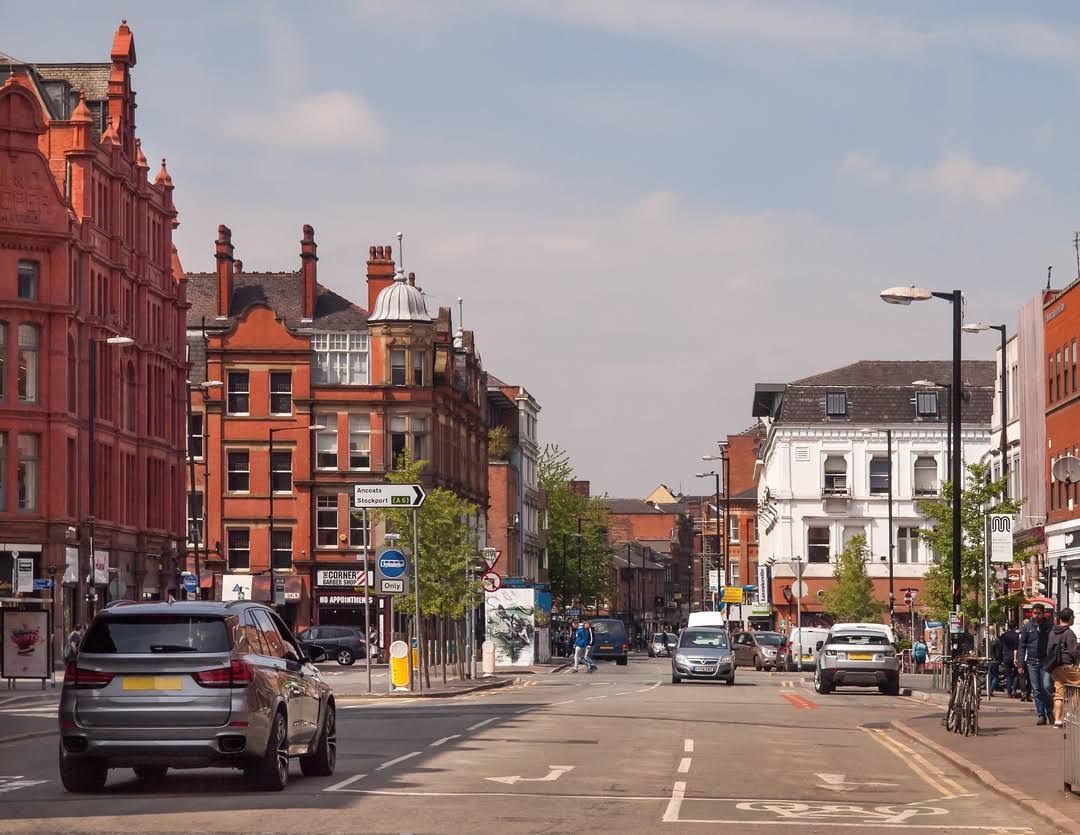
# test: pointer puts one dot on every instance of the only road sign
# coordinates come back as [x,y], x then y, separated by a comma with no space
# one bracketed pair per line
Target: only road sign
[491,581]
[391,586]
[388,495]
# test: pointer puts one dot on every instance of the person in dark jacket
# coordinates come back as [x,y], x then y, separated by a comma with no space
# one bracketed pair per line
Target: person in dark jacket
[1033,640]
[1009,642]
[1062,660]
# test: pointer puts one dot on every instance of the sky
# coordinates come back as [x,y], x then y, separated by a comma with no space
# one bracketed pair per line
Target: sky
[646,207]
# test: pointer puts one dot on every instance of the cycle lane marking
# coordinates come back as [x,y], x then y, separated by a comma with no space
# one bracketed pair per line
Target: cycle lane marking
[918,764]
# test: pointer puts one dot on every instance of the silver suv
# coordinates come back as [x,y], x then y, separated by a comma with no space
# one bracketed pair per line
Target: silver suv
[857,655]
[192,685]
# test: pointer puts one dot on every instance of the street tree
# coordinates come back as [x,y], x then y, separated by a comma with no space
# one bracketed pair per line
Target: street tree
[851,599]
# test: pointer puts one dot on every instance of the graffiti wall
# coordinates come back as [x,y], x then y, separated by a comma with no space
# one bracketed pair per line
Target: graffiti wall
[510,616]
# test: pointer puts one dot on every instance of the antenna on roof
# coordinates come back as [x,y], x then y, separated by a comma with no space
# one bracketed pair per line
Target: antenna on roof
[460,312]
[1076,246]
[1048,269]
[400,252]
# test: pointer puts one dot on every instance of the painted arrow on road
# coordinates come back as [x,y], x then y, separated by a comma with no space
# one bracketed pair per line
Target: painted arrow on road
[837,783]
[554,774]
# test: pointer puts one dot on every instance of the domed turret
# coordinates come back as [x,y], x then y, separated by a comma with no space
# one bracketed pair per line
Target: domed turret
[400,302]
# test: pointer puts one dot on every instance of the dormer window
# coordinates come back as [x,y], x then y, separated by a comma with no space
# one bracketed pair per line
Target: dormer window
[836,404]
[926,405]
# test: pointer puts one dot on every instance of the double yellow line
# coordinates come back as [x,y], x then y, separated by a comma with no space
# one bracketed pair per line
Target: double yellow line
[928,771]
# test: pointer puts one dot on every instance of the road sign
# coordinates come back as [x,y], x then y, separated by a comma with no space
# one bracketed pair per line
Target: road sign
[388,495]
[24,574]
[391,586]
[909,597]
[191,583]
[574,613]
[1000,526]
[491,581]
[799,588]
[490,556]
[955,625]
[42,585]
[714,579]
[236,587]
[733,594]
[392,564]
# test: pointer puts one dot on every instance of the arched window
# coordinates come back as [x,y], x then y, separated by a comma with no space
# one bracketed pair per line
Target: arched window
[835,476]
[926,472]
[129,397]
[29,337]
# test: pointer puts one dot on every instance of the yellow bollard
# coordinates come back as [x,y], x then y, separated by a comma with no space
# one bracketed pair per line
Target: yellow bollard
[399,665]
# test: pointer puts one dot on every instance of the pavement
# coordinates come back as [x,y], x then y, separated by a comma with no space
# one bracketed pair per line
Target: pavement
[619,750]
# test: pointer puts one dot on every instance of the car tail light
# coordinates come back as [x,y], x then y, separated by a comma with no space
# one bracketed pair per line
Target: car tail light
[80,679]
[237,674]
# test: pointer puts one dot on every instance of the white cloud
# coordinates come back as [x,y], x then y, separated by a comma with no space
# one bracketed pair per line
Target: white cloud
[334,119]
[865,168]
[464,174]
[960,179]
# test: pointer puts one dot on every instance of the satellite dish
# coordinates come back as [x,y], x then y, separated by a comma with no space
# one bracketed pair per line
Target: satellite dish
[1067,469]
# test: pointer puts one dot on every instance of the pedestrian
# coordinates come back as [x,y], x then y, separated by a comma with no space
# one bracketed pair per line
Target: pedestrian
[1062,660]
[919,653]
[581,641]
[590,637]
[993,664]
[1033,640]
[1009,643]
[74,640]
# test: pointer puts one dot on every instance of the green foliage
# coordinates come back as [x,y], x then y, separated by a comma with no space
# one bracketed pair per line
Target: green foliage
[851,600]
[579,556]
[980,496]
[447,545]
[499,444]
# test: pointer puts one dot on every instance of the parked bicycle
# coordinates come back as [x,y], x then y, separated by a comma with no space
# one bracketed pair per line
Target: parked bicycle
[968,677]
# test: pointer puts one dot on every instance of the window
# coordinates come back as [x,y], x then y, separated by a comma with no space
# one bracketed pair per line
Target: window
[239,393]
[28,471]
[281,471]
[238,547]
[341,358]
[1057,376]
[735,579]
[3,360]
[28,363]
[326,509]
[419,438]
[397,367]
[239,470]
[926,472]
[1014,389]
[326,443]
[836,404]
[398,427]
[28,280]
[3,471]
[418,367]
[835,475]
[907,545]
[195,436]
[1073,365]
[817,544]
[1050,379]
[281,549]
[195,530]
[879,475]
[280,393]
[752,527]
[359,442]
[129,404]
[733,529]
[926,405]
[852,531]
[359,536]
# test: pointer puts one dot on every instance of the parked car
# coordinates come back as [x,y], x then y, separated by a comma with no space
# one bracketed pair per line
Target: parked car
[609,640]
[857,655]
[662,643]
[342,643]
[761,650]
[801,647]
[193,685]
[703,652]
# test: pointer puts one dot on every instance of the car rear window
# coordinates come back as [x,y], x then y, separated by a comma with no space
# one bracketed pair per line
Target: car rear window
[156,634]
[864,639]
[614,628]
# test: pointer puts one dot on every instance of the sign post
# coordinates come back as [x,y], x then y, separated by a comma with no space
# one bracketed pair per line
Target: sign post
[416,587]
[367,597]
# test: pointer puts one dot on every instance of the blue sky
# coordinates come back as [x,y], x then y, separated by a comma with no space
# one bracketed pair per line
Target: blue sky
[648,207]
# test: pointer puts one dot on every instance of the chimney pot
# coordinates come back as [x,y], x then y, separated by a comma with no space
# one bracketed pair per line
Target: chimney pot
[371,253]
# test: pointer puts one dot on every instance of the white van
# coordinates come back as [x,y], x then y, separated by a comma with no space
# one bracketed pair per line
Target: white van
[707,619]
[801,647]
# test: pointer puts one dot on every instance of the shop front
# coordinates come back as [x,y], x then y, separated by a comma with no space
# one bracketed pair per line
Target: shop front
[1063,559]
[340,604]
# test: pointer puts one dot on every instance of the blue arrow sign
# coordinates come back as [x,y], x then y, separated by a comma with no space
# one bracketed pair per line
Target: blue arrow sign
[191,583]
[392,564]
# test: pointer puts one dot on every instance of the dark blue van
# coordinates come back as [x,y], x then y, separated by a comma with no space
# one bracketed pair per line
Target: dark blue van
[609,640]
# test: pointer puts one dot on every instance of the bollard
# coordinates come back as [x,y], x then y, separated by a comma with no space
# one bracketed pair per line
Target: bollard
[489,658]
[399,665]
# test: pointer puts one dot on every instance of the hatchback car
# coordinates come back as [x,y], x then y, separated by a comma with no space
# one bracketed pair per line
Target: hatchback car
[609,640]
[760,650]
[662,643]
[341,643]
[853,655]
[191,685]
[703,652]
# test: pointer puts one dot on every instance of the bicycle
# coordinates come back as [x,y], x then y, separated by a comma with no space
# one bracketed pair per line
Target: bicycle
[966,692]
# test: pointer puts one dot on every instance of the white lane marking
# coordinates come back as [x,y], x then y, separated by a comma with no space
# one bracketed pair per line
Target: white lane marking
[837,783]
[339,786]
[624,693]
[523,710]
[554,773]
[684,765]
[652,686]
[481,724]
[688,746]
[591,698]
[671,813]
[565,702]
[397,760]
[439,742]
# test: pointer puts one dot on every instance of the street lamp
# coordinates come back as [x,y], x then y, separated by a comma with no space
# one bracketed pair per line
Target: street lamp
[979,327]
[905,296]
[91,596]
[723,567]
[888,455]
[725,465]
[195,533]
[315,427]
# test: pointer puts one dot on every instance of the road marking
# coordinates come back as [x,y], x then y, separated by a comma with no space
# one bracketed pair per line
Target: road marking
[554,773]
[671,813]
[913,760]
[339,786]
[523,710]
[566,702]
[591,698]
[684,765]
[397,760]
[837,783]
[439,742]
[800,702]
[688,746]
[624,693]
[481,724]
[652,686]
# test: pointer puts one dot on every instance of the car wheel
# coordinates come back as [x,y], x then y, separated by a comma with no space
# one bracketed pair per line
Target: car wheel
[820,685]
[321,762]
[651,653]
[621,661]
[891,687]
[757,663]
[345,657]
[675,679]
[730,680]
[272,770]
[82,776]
[151,772]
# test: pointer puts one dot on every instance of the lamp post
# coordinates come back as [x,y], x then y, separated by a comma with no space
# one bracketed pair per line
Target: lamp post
[979,327]
[315,427]
[91,493]
[905,296]
[196,533]
[719,546]
[725,466]
[892,547]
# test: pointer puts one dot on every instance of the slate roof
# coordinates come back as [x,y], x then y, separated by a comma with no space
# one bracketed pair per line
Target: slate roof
[91,79]
[902,373]
[629,506]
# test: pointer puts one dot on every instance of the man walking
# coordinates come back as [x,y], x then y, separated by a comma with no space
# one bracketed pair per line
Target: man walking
[1009,642]
[1033,640]
[1062,660]
[74,639]
[581,644]
[589,638]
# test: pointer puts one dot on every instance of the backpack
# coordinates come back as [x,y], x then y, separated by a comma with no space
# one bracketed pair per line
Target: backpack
[1055,652]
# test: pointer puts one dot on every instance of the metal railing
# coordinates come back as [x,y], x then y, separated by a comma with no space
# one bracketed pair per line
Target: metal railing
[1070,717]
[940,668]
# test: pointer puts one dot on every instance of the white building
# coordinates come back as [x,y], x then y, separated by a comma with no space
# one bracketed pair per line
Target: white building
[824,474]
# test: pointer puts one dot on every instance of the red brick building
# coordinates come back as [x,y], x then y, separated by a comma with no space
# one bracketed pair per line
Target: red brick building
[278,352]
[86,254]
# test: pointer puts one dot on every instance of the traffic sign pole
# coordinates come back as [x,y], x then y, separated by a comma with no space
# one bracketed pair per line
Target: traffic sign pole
[367,600]
[416,598]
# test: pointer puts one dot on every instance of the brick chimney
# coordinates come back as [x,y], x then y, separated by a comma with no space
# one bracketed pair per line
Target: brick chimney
[380,272]
[224,255]
[308,260]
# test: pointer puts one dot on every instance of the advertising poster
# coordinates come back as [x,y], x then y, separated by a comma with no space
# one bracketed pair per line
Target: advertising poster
[510,618]
[26,644]
[542,643]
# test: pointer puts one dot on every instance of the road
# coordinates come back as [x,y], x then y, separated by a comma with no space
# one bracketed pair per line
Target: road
[619,750]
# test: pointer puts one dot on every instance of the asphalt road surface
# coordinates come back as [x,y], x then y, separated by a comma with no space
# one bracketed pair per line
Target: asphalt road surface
[620,750]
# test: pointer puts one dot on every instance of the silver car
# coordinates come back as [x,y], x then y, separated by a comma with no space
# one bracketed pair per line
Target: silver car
[191,685]
[703,652]
[859,656]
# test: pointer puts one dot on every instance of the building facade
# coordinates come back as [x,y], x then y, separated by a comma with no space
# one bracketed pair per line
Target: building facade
[91,323]
[826,473]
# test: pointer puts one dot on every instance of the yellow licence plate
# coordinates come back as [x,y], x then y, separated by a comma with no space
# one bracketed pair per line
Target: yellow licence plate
[861,656]
[153,683]
[808,658]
